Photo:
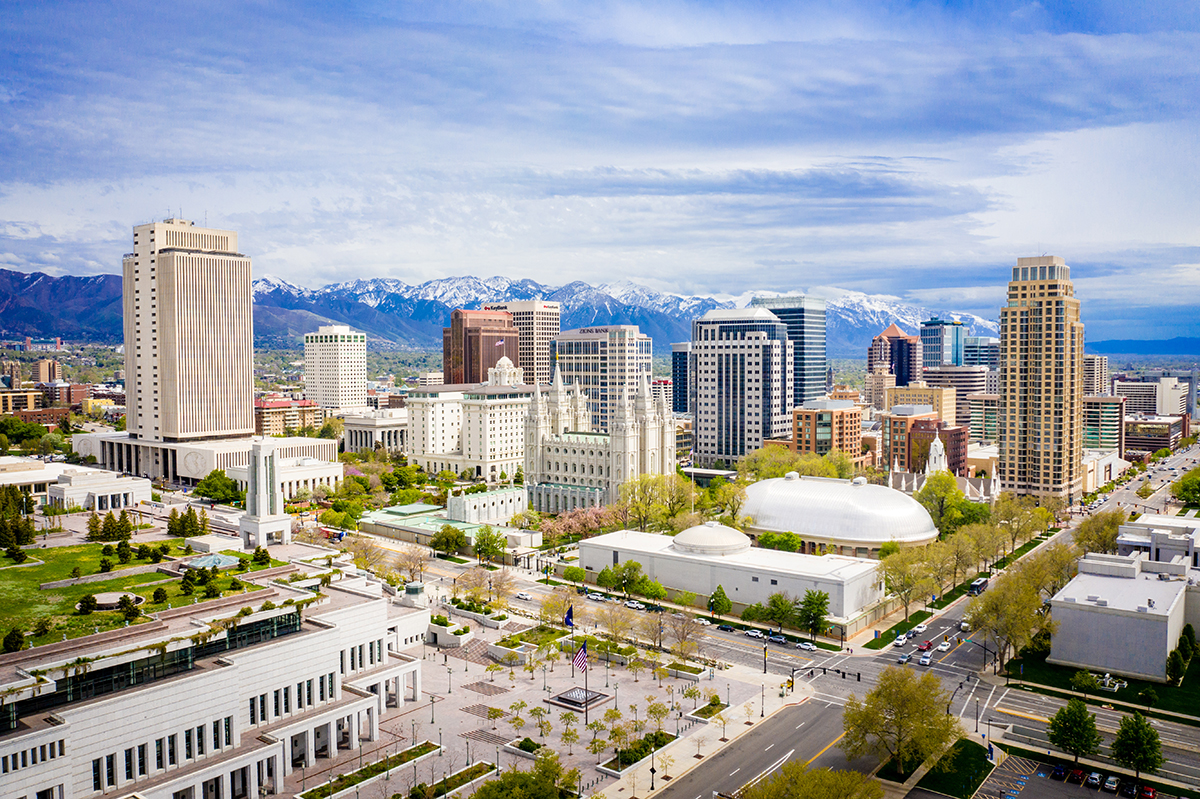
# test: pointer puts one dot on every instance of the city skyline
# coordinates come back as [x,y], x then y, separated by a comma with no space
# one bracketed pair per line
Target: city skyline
[675,145]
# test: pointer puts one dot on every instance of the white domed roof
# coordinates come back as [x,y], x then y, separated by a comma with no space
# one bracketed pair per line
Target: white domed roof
[711,538]
[841,510]
[504,363]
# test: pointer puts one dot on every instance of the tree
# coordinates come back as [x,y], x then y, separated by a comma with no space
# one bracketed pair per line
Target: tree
[489,544]
[494,713]
[1098,533]
[1187,488]
[795,780]
[626,576]
[574,574]
[1084,682]
[93,526]
[554,606]
[779,609]
[1174,667]
[366,554]
[1137,746]
[719,603]
[14,641]
[684,631]
[813,609]
[616,619]
[1009,612]
[87,604]
[903,717]
[448,539]
[963,552]
[641,498]
[941,496]
[987,538]
[731,497]
[219,487]
[906,576]
[1073,730]
[160,595]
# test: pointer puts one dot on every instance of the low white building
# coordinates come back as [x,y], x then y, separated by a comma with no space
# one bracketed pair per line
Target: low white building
[1123,615]
[703,557]
[487,507]
[191,707]
[97,490]
[1101,467]
[364,432]
[1162,538]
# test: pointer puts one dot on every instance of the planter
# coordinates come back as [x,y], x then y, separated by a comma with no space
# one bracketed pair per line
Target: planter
[684,675]
[315,792]
[512,748]
[612,772]
[501,654]
[444,637]
[486,621]
[694,715]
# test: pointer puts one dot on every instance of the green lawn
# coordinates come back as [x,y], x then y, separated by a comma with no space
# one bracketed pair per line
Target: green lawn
[1183,698]
[960,772]
[888,636]
[23,604]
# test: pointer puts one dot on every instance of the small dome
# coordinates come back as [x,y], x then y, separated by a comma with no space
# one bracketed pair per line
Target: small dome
[504,363]
[711,538]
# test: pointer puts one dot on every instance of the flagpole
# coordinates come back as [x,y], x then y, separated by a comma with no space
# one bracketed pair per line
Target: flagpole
[586,695]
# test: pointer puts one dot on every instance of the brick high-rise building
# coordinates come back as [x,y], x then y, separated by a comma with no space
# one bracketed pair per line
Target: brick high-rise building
[1041,382]
[538,322]
[475,342]
[899,352]
[954,440]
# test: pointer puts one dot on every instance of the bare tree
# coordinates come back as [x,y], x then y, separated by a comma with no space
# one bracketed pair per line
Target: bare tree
[411,561]
[474,583]
[684,631]
[501,585]
[366,554]
[617,620]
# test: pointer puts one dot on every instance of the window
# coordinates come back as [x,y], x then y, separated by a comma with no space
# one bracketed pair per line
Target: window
[158,754]
[262,707]
[96,784]
[110,770]
[200,739]
[754,579]
[228,730]
[141,760]
[171,748]
[129,763]
[216,735]
[254,710]
[287,700]
[188,754]
[308,693]
[277,713]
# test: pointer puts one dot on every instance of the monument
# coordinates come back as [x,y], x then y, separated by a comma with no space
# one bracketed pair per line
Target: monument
[265,522]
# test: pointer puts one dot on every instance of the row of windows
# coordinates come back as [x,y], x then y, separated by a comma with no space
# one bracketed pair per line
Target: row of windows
[31,756]
[166,753]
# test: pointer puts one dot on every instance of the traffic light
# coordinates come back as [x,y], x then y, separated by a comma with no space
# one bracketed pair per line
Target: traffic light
[790,683]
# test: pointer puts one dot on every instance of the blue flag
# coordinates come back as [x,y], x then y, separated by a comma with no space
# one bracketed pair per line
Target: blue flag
[569,619]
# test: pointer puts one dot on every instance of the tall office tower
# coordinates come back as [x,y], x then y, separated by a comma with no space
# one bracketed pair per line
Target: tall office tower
[603,361]
[1041,382]
[47,370]
[985,417]
[805,320]
[1104,424]
[942,342]
[335,367]
[899,352]
[12,371]
[538,323]
[189,351]
[1095,376]
[981,351]
[681,353]
[742,362]
[475,342]
[965,380]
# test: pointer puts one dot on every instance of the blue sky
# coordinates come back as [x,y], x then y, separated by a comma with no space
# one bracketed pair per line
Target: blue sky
[911,149]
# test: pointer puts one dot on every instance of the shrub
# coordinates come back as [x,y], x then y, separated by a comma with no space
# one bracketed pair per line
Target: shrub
[16,554]
[156,556]
[42,627]
[76,573]
[106,564]
[14,641]
[234,584]
[529,745]
[143,552]
[440,621]
[462,631]
[642,748]
[107,551]
[87,603]
[211,591]
[160,595]
[1174,666]
[267,605]
[1186,647]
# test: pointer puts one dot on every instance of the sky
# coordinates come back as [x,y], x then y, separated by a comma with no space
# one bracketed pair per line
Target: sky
[913,149]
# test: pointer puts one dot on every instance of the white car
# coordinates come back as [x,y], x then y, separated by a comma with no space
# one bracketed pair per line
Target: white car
[754,634]
[596,597]
[703,622]
[900,641]
[926,659]
[807,646]
[920,628]
[944,646]
[523,595]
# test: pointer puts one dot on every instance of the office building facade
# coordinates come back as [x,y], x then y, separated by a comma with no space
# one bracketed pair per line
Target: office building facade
[1104,423]
[335,368]
[985,417]
[475,342]
[876,385]
[942,343]
[897,424]
[537,323]
[603,361]
[805,320]
[965,380]
[1041,376]
[1095,376]
[951,447]
[1164,396]
[189,354]
[47,370]
[742,362]
[823,426]
[899,352]
[943,399]
[681,354]
[981,351]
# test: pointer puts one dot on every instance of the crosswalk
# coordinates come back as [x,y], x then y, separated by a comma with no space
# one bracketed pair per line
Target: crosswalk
[1008,779]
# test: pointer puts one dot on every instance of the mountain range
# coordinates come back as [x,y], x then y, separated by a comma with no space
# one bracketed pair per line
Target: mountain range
[401,315]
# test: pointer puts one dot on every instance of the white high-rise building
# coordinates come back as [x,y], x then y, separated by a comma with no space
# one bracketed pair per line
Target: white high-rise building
[1164,396]
[603,361]
[742,372]
[335,367]
[1095,376]
[537,323]
[189,352]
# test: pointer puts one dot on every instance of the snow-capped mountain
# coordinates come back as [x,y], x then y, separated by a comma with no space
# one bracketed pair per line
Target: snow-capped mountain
[413,315]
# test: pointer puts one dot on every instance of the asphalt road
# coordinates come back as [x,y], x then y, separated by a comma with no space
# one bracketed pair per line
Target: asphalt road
[805,732]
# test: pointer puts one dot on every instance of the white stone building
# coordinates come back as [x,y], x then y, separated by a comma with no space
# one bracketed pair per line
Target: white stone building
[487,507]
[335,368]
[163,713]
[364,432]
[568,466]
[703,557]
[96,490]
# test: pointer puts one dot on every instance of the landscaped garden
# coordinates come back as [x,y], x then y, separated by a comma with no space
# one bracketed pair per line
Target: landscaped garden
[538,636]
[960,771]
[344,781]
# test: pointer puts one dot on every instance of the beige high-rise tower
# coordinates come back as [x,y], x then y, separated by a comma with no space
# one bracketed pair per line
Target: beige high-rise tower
[1041,382]
[189,357]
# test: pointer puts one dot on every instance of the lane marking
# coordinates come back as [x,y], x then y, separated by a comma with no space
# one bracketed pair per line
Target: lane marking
[827,747]
[735,771]
[769,769]
[769,748]
[801,724]
[1029,716]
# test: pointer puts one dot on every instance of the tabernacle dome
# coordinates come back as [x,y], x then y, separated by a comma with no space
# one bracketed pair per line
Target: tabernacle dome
[847,517]
[711,538]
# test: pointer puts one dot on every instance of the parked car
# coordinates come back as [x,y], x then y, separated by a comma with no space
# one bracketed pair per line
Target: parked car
[523,595]
[728,628]
[926,659]
[904,657]
[920,628]
[1076,776]
[1059,773]
[596,597]
[944,646]
[754,634]
[1094,780]
[1111,784]
[925,646]
[1128,790]
[807,646]
[1148,793]
[776,639]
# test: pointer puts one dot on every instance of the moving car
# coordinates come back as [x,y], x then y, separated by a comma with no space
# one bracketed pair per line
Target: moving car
[596,597]
[755,634]
[944,646]
[703,622]
[1094,780]
[1059,773]
[1110,784]
[904,658]
[920,628]
[728,628]
[807,646]
[900,641]
[926,659]
[925,646]
[776,639]
[522,595]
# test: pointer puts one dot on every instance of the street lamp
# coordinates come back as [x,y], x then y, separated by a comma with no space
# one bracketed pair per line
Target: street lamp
[977,714]
[441,751]
[449,678]
[762,701]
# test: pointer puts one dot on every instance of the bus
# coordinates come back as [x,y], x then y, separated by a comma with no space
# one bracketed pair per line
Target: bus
[978,587]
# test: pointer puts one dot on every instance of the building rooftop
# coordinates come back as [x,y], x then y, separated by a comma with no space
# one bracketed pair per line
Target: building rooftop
[1144,594]
[748,314]
[910,410]
[828,405]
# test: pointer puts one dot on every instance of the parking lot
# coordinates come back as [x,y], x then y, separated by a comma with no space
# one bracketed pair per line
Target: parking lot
[1022,778]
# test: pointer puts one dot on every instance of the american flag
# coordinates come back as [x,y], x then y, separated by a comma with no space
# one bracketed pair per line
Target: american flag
[500,343]
[580,661]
